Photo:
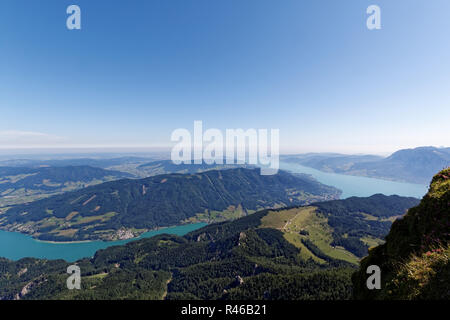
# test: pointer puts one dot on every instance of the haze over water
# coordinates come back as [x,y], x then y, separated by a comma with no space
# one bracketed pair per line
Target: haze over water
[359,186]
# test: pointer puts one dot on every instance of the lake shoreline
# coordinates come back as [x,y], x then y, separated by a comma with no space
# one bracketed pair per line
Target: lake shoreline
[358,186]
[358,175]
[94,240]
[15,245]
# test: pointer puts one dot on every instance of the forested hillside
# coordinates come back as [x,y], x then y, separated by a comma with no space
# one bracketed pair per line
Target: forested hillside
[272,254]
[167,166]
[25,184]
[104,211]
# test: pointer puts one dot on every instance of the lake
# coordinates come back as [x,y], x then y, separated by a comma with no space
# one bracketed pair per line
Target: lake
[14,245]
[359,186]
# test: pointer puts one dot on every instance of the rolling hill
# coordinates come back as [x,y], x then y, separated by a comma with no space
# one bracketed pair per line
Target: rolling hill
[126,208]
[104,163]
[167,166]
[25,184]
[136,167]
[410,165]
[283,254]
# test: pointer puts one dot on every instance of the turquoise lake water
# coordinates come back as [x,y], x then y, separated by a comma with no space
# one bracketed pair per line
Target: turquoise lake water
[360,186]
[14,245]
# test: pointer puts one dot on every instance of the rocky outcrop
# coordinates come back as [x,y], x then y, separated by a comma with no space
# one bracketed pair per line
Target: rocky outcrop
[414,261]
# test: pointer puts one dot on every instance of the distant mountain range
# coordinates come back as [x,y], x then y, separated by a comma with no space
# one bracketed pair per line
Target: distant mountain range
[99,163]
[29,180]
[410,165]
[25,184]
[126,208]
[297,253]
[167,166]
[137,167]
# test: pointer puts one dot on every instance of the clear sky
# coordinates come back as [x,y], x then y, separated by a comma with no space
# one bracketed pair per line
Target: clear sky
[137,70]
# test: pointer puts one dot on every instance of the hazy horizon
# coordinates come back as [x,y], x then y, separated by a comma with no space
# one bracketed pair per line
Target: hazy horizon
[134,73]
[104,153]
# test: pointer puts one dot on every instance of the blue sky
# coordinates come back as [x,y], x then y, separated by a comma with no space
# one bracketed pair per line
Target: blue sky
[137,70]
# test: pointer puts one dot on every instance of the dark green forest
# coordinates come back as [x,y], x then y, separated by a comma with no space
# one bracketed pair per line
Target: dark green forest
[35,178]
[354,218]
[237,259]
[164,200]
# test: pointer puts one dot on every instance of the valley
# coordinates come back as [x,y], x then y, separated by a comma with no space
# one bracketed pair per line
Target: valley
[271,254]
[234,159]
[201,232]
[112,210]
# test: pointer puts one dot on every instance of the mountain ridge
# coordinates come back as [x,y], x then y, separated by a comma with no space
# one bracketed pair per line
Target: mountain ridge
[25,184]
[416,165]
[253,257]
[97,212]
